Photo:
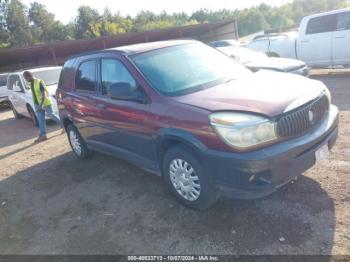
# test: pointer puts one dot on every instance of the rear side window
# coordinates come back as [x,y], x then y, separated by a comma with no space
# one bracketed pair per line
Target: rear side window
[322,24]
[86,76]
[67,74]
[343,21]
[112,72]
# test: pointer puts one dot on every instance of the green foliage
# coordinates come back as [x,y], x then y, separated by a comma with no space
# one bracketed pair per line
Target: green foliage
[17,24]
[22,26]
[44,28]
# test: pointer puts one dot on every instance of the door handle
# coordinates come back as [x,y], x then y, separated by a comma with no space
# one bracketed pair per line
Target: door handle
[340,37]
[304,41]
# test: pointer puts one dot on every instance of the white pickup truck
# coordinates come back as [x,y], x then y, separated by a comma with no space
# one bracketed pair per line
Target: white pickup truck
[3,88]
[323,40]
[20,95]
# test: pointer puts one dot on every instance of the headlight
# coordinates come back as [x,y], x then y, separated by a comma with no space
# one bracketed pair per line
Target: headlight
[243,130]
[328,94]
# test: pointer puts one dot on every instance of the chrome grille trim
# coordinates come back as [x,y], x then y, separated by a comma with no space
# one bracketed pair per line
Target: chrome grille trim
[299,121]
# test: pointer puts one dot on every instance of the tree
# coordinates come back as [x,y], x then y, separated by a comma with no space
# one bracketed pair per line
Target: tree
[20,26]
[4,35]
[17,24]
[86,22]
[44,27]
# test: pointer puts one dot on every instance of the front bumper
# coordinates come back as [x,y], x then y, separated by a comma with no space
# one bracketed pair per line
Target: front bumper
[250,175]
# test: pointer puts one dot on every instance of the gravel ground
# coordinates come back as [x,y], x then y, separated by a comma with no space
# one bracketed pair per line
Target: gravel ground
[52,203]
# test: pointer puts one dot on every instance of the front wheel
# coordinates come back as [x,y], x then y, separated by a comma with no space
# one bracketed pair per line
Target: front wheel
[187,180]
[33,116]
[77,143]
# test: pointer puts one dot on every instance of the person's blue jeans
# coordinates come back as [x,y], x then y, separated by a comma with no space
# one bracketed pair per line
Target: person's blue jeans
[42,121]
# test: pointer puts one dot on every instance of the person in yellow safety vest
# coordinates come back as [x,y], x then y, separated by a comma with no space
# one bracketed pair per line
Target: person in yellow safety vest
[42,103]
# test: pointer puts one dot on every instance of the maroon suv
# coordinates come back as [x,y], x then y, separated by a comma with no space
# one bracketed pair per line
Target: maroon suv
[186,112]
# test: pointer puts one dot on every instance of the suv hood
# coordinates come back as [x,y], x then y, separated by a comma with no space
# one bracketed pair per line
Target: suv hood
[281,64]
[265,92]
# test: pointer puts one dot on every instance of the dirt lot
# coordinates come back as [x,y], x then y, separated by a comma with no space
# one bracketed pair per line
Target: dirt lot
[52,203]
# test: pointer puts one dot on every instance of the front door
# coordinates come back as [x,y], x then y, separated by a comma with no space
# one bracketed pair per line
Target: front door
[341,40]
[124,123]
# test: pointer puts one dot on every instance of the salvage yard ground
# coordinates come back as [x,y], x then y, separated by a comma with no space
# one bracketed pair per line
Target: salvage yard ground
[52,203]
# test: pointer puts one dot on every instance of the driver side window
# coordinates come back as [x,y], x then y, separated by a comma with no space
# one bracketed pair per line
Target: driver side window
[113,72]
[15,84]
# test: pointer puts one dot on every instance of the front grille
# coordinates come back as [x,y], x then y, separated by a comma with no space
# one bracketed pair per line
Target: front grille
[301,120]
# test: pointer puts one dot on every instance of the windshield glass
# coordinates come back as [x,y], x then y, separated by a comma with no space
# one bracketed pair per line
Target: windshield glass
[50,76]
[182,69]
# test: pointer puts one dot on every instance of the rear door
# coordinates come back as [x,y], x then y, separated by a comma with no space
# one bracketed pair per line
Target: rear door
[341,40]
[315,45]
[85,110]
[124,123]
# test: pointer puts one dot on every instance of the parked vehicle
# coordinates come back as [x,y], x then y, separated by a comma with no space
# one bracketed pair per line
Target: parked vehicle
[257,60]
[3,88]
[20,95]
[189,113]
[224,43]
[323,40]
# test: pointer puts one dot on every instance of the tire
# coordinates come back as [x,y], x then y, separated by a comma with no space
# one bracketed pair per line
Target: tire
[76,142]
[201,191]
[15,113]
[33,116]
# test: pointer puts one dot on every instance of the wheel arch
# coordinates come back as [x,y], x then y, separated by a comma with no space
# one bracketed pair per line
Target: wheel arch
[171,137]
[66,121]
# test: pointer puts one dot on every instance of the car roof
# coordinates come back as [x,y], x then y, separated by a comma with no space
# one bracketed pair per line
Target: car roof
[328,13]
[138,48]
[145,47]
[37,69]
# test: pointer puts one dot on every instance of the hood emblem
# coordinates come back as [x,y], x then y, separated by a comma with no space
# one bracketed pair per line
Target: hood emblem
[311,117]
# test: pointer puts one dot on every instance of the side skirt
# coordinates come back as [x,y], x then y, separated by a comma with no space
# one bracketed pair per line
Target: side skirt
[143,163]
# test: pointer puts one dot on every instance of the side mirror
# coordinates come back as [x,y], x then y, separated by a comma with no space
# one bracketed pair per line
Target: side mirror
[124,91]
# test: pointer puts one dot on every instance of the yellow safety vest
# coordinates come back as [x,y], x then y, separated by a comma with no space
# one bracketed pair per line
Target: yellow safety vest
[38,94]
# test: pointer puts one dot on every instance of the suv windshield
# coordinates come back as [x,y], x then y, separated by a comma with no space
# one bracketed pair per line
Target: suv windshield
[182,69]
[50,76]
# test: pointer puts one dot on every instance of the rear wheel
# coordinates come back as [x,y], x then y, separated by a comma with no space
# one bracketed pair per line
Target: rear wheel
[187,179]
[33,116]
[77,143]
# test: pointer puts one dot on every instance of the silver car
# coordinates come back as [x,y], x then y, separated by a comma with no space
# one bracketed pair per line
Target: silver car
[256,60]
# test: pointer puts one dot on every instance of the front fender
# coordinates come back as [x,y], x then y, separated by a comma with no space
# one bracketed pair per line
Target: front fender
[182,136]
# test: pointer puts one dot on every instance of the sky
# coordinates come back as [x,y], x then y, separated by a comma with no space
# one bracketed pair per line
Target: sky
[66,10]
